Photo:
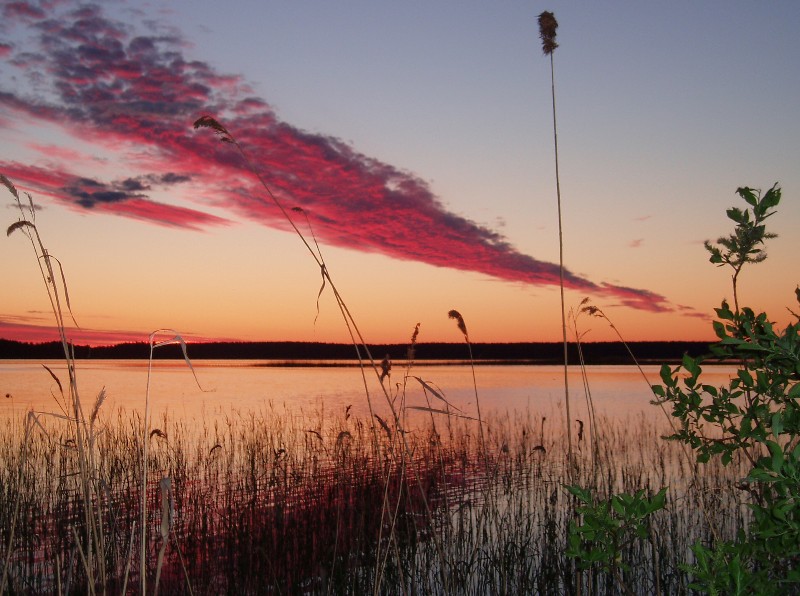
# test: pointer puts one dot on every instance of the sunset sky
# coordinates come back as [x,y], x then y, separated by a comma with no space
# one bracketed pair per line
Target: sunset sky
[417,137]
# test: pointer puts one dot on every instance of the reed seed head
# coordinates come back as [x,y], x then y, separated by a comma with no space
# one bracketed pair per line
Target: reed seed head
[17,225]
[415,334]
[547,32]
[101,397]
[10,186]
[209,122]
[454,314]
[412,347]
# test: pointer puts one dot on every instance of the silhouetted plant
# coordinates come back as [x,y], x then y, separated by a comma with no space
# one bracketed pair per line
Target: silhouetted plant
[756,416]
[547,33]
[743,246]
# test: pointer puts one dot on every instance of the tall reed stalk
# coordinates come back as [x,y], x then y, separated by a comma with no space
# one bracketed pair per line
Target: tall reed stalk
[547,33]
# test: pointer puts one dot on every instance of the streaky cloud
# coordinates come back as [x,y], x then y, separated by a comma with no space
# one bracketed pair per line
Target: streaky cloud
[115,198]
[108,84]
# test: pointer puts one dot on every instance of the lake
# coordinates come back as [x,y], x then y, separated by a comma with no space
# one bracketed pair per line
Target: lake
[301,388]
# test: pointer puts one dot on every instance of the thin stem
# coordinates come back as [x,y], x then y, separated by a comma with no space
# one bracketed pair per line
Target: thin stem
[145,429]
[561,262]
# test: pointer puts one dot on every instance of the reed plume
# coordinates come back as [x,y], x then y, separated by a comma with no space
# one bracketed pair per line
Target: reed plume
[462,326]
[547,32]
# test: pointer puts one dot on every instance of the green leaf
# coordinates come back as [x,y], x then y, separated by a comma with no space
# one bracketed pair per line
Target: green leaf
[719,329]
[583,495]
[659,499]
[748,195]
[724,311]
[772,197]
[746,426]
[690,364]
[777,424]
[745,377]
[738,575]
[736,215]
[666,375]
[777,456]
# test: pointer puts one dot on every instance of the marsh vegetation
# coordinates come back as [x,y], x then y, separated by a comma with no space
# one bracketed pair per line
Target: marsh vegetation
[269,503]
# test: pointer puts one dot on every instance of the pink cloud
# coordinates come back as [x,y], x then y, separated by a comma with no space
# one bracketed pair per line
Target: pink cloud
[113,86]
[636,298]
[60,153]
[690,311]
[151,211]
[120,197]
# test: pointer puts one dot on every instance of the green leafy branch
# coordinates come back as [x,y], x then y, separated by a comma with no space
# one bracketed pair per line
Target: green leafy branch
[756,416]
[744,245]
[608,527]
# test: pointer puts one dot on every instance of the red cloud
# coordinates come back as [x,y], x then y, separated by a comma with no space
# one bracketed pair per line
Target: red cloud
[163,214]
[59,152]
[120,197]
[113,86]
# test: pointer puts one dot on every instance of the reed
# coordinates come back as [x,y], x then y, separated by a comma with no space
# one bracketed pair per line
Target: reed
[260,503]
[90,545]
[547,33]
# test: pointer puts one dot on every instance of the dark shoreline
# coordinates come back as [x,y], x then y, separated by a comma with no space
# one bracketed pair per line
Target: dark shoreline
[324,354]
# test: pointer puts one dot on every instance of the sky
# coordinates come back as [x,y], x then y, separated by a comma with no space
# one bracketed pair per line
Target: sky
[413,143]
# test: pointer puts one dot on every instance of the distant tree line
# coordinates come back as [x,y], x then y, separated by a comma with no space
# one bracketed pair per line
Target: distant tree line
[512,353]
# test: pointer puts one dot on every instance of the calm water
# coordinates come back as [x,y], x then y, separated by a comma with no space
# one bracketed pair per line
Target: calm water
[253,386]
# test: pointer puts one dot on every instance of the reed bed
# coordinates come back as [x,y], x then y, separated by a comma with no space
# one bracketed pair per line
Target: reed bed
[274,503]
